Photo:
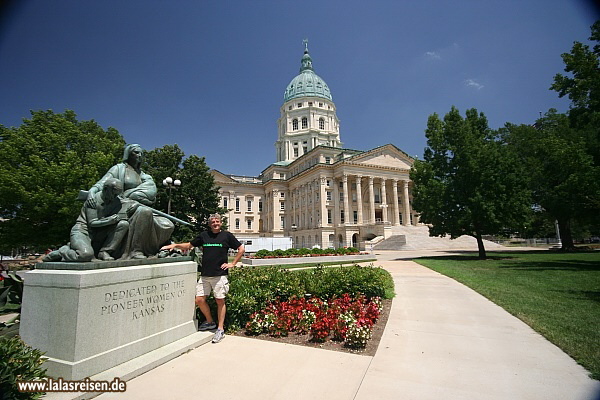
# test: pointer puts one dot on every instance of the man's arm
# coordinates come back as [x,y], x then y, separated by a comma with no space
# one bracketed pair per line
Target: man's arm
[237,258]
[181,246]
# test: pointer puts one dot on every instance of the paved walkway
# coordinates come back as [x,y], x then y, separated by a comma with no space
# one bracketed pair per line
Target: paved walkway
[442,341]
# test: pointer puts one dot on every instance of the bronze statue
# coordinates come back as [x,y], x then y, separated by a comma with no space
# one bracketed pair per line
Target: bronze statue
[116,221]
[147,232]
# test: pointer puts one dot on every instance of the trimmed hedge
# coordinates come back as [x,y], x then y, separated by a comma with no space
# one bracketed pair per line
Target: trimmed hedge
[305,251]
[252,288]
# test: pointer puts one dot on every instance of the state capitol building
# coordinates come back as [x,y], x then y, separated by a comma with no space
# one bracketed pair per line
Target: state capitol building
[317,192]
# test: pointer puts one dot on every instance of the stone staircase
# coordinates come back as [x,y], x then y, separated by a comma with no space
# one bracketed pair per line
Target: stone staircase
[417,238]
[392,243]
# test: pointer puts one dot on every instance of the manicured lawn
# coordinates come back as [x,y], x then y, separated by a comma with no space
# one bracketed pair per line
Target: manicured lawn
[557,294]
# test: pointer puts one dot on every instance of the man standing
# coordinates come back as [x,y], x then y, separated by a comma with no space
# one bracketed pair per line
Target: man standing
[213,271]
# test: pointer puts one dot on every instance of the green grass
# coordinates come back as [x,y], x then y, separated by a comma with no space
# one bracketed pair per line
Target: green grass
[557,294]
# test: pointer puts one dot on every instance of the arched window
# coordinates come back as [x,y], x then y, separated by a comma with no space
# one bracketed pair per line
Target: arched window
[321,123]
[295,124]
[304,122]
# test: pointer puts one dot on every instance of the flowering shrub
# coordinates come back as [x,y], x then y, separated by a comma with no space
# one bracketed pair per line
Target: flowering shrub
[344,318]
[263,253]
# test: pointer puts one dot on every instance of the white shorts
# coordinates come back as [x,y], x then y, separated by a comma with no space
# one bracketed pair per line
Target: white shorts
[219,285]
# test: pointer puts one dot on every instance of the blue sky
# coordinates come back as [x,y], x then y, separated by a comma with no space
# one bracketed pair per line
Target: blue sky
[210,75]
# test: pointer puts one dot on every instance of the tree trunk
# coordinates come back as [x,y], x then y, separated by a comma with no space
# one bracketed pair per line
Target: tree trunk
[482,255]
[566,237]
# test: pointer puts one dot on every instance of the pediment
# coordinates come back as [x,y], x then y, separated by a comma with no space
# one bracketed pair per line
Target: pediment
[385,156]
[221,177]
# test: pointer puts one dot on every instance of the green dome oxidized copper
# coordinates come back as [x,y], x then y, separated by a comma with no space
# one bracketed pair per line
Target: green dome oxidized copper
[307,83]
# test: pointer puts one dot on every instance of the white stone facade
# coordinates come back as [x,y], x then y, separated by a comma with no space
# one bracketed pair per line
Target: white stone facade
[317,192]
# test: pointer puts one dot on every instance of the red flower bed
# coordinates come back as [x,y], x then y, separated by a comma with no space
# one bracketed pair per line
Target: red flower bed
[346,319]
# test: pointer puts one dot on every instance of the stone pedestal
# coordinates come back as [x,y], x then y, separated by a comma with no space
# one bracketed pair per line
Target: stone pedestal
[88,321]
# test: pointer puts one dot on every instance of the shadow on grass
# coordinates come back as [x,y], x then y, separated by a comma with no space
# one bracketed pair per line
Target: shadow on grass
[593,295]
[518,262]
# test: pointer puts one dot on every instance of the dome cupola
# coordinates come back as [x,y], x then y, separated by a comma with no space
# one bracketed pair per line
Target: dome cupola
[307,83]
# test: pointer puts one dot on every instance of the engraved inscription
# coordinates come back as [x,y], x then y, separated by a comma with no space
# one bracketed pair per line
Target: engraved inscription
[142,301]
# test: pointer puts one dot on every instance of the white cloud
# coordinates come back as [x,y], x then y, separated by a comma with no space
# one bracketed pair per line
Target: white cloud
[433,55]
[443,53]
[473,84]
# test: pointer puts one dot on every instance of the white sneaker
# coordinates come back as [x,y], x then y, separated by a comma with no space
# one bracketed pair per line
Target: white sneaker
[219,335]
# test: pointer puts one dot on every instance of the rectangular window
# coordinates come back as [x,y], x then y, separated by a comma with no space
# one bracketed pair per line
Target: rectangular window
[341,197]
[328,182]
[327,160]
[249,205]
[329,220]
[295,152]
[260,206]
[282,222]
[328,195]
[281,194]
[354,197]
[356,217]
[249,222]
[342,216]
[299,105]
[282,205]
[237,223]
[237,205]
[225,202]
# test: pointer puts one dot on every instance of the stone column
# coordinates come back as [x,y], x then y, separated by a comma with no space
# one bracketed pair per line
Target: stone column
[336,202]
[323,201]
[359,199]
[276,211]
[406,214]
[396,208]
[371,201]
[384,216]
[306,217]
[347,211]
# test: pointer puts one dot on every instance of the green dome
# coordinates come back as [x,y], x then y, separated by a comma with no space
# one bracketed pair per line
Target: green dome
[307,83]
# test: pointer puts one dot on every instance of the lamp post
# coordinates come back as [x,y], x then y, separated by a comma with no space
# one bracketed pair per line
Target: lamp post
[294,227]
[170,184]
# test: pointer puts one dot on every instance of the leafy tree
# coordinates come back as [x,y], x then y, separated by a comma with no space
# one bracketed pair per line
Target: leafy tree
[199,195]
[160,163]
[468,182]
[583,89]
[560,172]
[195,199]
[44,164]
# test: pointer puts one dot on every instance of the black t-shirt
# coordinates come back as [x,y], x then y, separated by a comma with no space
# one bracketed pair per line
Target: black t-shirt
[215,247]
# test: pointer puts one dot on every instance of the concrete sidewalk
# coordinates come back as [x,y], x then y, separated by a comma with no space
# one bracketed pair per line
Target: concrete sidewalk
[442,341]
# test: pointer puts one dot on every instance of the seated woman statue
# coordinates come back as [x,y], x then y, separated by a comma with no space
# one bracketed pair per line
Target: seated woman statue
[147,232]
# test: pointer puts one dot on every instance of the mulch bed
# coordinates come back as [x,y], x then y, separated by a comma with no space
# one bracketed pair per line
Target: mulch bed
[304,340]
